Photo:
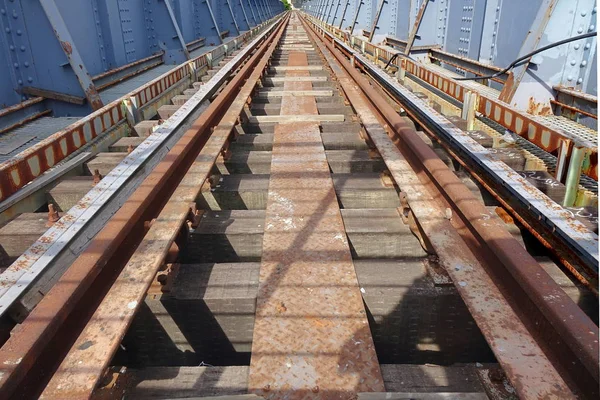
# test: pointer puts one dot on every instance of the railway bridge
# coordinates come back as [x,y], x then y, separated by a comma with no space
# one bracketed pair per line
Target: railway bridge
[323,199]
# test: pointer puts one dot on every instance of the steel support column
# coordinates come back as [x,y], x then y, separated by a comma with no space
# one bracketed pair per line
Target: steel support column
[415,29]
[244,13]
[237,28]
[337,7]
[531,43]
[68,45]
[212,16]
[329,9]
[376,20]
[343,17]
[177,30]
[358,7]
[254,18]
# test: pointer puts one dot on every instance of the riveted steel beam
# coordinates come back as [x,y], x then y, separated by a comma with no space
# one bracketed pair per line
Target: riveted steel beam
[66,42]
[415,28]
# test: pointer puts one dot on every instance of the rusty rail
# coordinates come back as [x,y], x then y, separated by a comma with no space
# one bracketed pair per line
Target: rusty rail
[549,314]
[36,348]
[87,360]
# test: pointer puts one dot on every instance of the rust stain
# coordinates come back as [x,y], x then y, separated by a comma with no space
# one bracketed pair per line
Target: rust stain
[540,108]
[67,47]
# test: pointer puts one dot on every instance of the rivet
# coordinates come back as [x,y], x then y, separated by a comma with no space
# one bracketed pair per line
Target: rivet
[587,46]
[20,82]
[11,47]
[26,64]
[19,32]
[580,29]
[3,11]
[580,80]
[22,48]
[569,78]
[591,28]
[577,46]
[583,63]
[7,30]
[16,65]
[30,79]
[573,62]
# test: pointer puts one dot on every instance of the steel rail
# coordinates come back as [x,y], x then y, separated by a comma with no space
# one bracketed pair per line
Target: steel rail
[582,241]
[564,318]
[37,345]
[533,375]
[89,356]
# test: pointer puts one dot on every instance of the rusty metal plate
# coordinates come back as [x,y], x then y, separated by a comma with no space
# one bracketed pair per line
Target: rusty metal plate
[311,334]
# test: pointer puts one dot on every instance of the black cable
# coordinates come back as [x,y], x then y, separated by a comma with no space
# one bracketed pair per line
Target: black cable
[526,56]
[396,56]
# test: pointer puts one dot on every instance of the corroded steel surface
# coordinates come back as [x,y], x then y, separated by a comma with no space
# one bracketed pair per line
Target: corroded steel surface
[88,358]
[22,353]
[569,322]
[524,362]
[536,130]
[311,335]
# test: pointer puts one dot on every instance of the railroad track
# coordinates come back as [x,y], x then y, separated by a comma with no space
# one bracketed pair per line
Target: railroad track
[301,239]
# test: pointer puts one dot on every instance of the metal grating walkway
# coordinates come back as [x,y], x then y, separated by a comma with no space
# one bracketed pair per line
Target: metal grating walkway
[19,139]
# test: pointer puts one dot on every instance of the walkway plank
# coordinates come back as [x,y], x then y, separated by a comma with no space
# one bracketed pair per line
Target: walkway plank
[311,335]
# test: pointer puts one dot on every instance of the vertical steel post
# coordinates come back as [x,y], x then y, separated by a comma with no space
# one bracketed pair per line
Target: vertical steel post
[251,12]
[329,11]
[360,3]
[244,14]
[321,9]
[264,9]
[415,29]
[66,42]
[237,28]
[573,176]
[337,7]
[212,16]
[269,9]
[376,20]
[177,30]
[531,42]
[343,18]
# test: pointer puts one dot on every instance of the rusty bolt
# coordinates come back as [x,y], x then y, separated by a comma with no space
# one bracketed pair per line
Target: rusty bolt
[52,215]
[162,278]
[129,149]
[97,177]
[315,389]
[496,375]
[267,388]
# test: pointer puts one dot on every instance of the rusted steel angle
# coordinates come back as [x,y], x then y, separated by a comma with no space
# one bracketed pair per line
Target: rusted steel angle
[574,327]
[311,334]
[88,358]
[30,339]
